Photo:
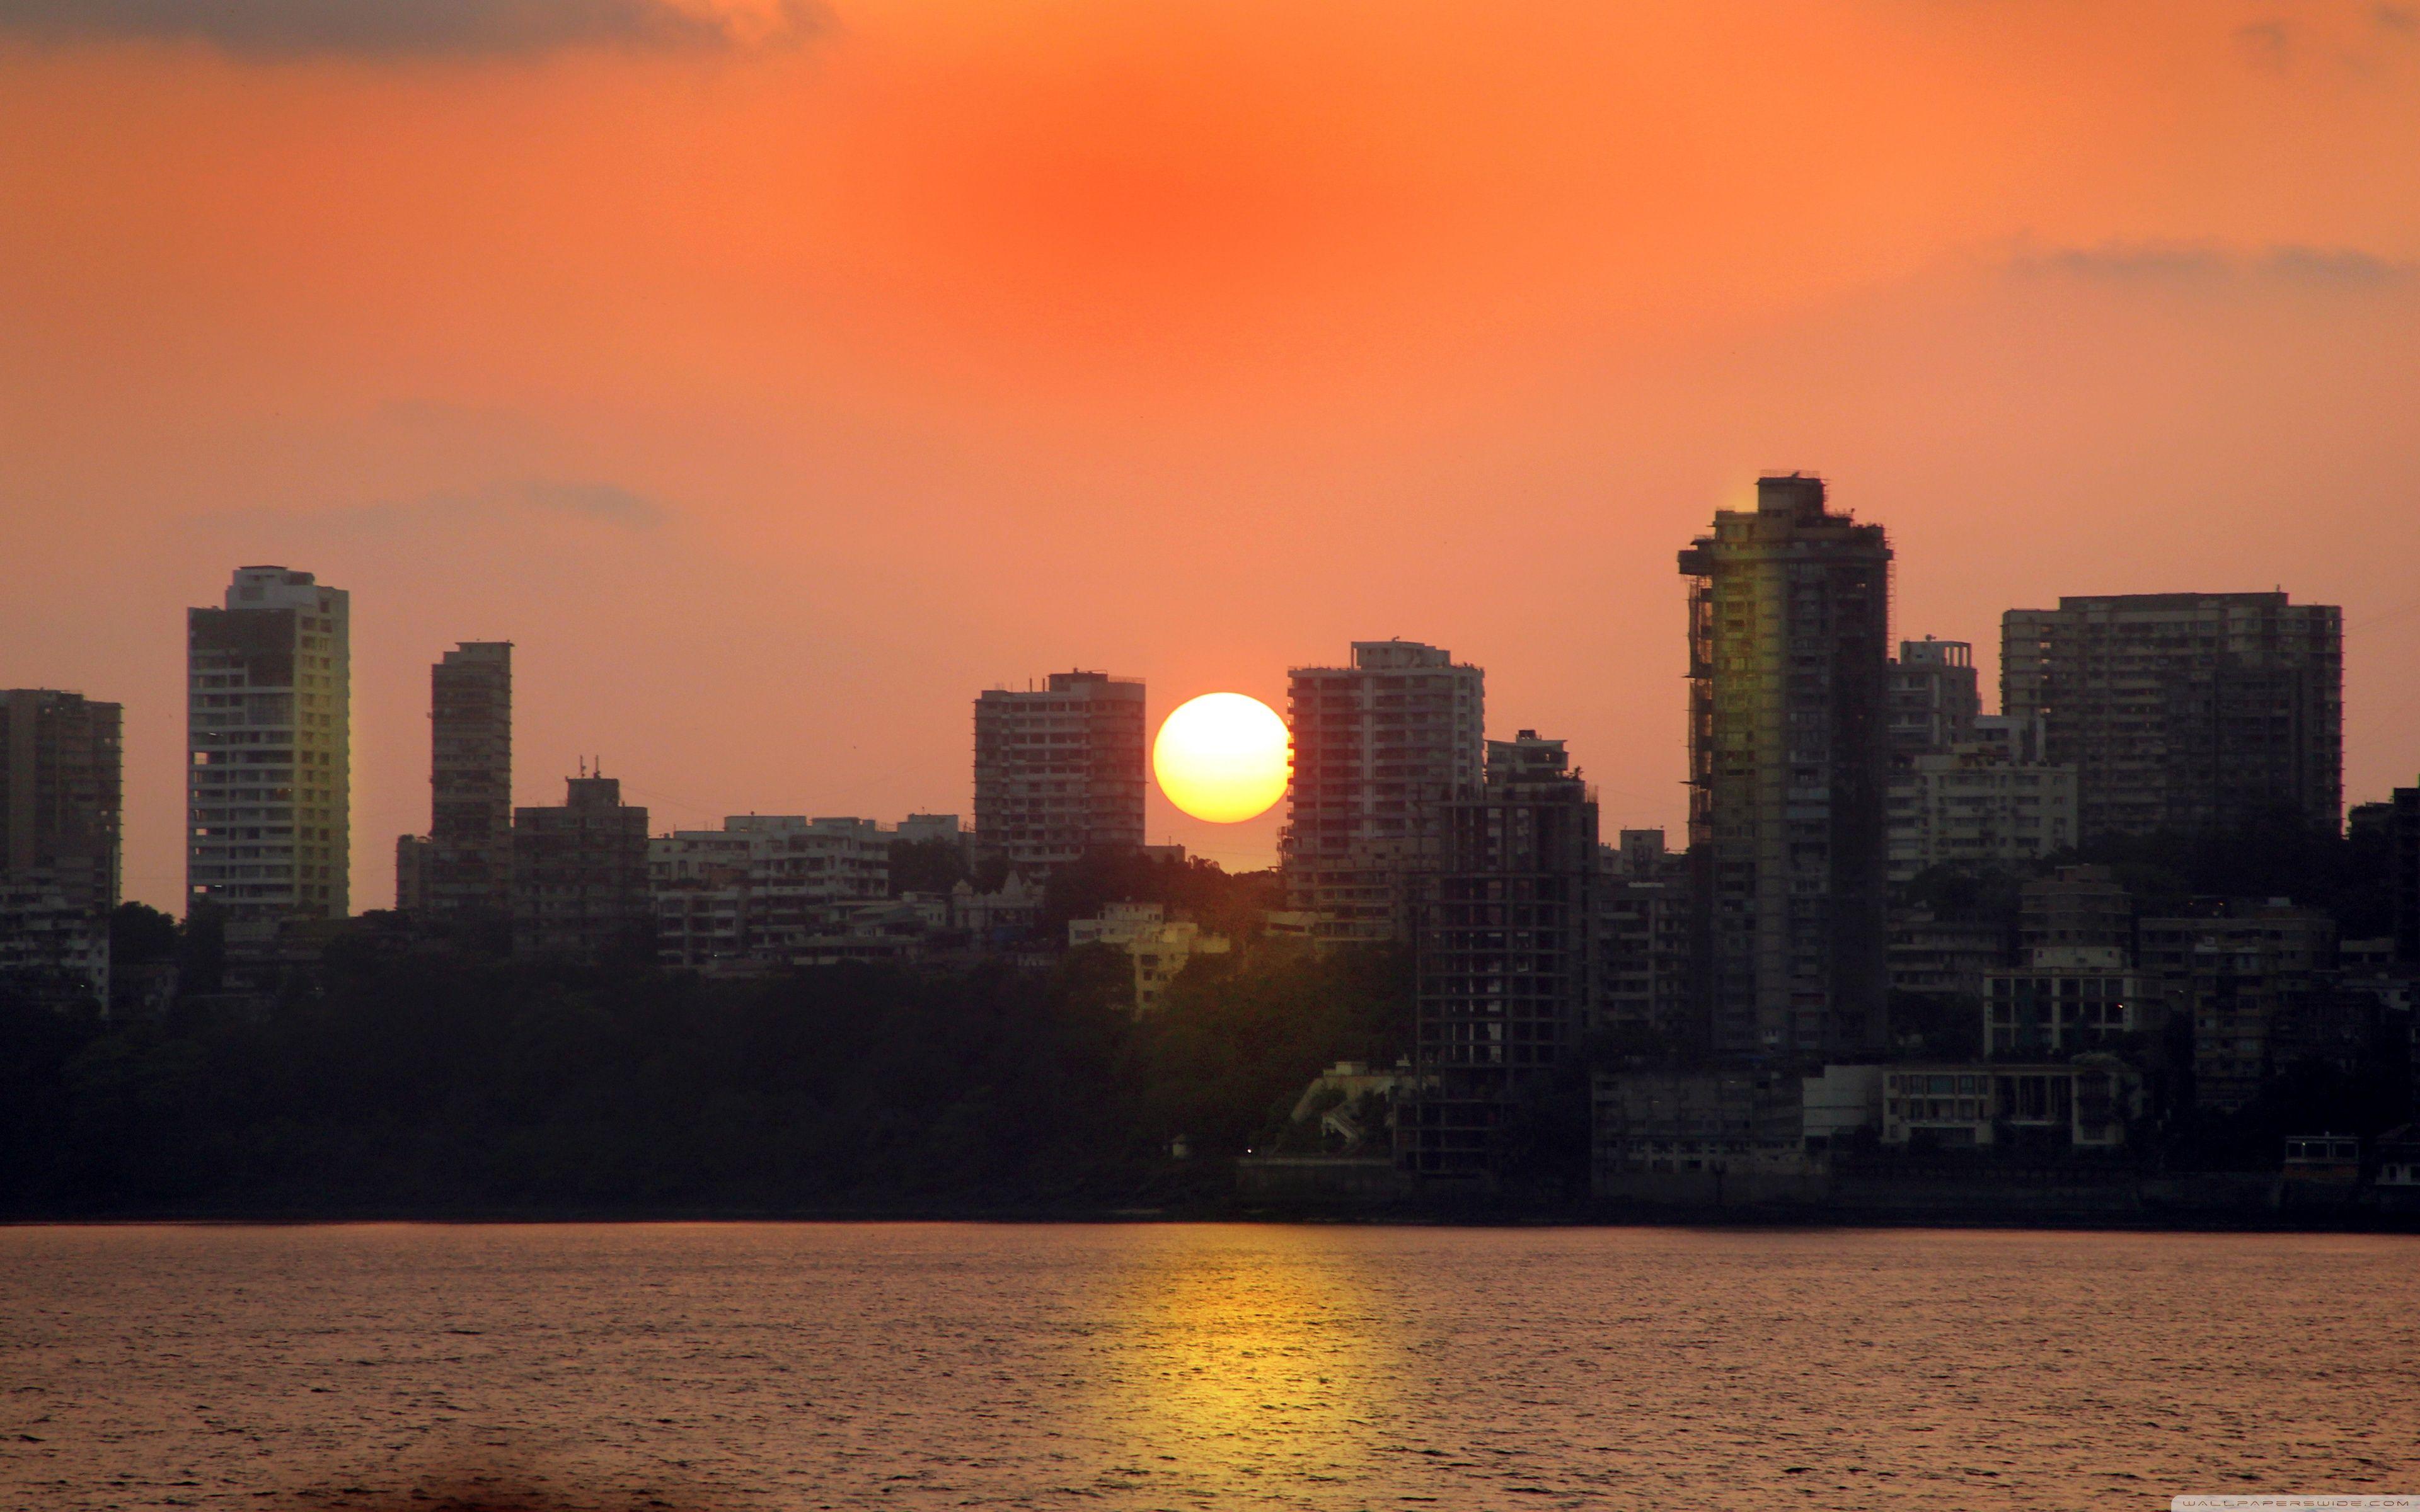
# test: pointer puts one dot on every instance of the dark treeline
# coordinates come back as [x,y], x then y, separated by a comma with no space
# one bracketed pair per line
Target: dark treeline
[417,1080]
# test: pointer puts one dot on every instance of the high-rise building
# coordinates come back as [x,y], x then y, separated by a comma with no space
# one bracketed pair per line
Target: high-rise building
[60,792]
[2191,712]
[59,805]
[1502,948]
[464,868]
[1935,701]
[1379,747]
[1059,771]
[1641,970]
[2403,871]
[269,776]
[580,874]
[1788,761]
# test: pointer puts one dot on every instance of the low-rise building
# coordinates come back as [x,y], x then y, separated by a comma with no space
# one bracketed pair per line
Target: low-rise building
[750,897]
[1960,1105]
[1942,957]
[54,948]
[580,874]
[1975,804]
[1160,947]
[2076,907]
[2063,1000]
[1674,1122]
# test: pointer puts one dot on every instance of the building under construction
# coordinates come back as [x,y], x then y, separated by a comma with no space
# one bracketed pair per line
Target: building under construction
[1788,772]
[1503,955]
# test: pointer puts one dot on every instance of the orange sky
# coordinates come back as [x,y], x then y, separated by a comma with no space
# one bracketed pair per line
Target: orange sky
[778,381]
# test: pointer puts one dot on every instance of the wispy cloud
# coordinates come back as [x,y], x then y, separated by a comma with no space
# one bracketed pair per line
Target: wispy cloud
[606,505]
[2202,264]
[270,29]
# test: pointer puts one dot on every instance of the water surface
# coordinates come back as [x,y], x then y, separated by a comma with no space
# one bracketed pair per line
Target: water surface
[743,1367]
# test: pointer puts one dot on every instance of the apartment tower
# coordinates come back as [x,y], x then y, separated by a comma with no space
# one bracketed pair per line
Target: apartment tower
[1379,747]
[2191,712]
[579,876]
[269,741]
[59,806]
[1789,764]
[1059,771]
[1502,949]
[466,867]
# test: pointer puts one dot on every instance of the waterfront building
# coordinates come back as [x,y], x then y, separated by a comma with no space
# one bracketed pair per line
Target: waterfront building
[269,760]
[580,874]
[1961,1105]
[753,896]
[1059,772]
[2186,712]
[1501,966]
[1379,746]
[1788,766]
[1738,1125]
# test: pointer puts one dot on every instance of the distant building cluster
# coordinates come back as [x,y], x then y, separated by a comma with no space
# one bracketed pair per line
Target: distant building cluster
[1743,998]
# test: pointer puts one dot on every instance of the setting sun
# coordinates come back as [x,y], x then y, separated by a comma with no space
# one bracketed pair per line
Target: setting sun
[1222,757]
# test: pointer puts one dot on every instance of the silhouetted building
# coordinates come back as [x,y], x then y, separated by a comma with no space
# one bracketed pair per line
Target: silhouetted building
[1378,747]
[466,869]
[2403,870]
[2240,975]
[580,874]
[2191,712]
[2076,907]
[1933,698]
[60,792]
[751,896]
[1973,806]
[1641,942]
[1059,771]
[2063,1001]
[269,769]
[1789,762]
[59,818]
[1502,954]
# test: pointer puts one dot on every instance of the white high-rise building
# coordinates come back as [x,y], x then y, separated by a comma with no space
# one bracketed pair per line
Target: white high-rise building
[268,747]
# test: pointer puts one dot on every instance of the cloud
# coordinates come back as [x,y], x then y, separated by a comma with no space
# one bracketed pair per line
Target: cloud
[2201,264]
[278,29]
[607,502]
[601,503]
[2266,44]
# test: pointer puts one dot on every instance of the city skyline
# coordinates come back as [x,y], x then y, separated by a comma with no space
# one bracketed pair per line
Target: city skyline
[1239,846]
[1165,343]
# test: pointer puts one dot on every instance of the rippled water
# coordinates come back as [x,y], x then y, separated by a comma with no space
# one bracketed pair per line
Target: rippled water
[931,1366]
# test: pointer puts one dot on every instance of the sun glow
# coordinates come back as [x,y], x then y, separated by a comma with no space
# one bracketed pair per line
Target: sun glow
[1222,757]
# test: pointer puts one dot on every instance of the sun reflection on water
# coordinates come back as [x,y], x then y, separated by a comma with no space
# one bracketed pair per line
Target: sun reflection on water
[1230,1364]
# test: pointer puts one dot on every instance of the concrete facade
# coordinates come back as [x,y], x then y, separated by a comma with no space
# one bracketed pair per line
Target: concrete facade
[1059,771]
[270,756]
[2187,712]
[580,874]
[1379,748]
[1789,764]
